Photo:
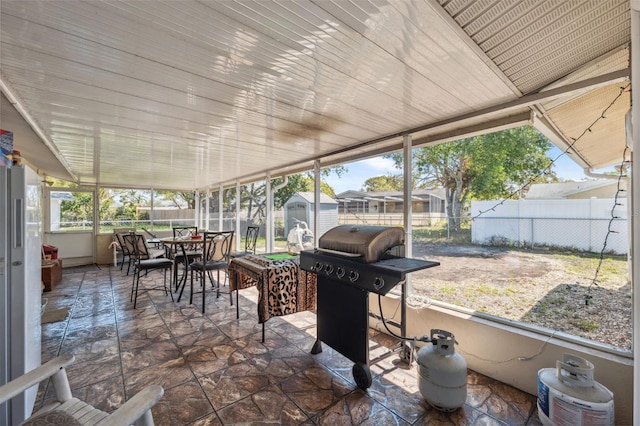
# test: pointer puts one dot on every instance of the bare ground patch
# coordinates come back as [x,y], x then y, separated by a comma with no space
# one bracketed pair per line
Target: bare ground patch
[541,288]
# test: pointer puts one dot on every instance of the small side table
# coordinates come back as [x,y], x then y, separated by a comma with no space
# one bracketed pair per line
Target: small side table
[51,273]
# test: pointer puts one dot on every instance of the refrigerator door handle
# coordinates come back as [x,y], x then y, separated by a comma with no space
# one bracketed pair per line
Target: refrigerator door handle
[18,223]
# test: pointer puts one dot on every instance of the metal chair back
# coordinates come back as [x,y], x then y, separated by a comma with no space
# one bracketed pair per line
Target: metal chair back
[184,231]
[217,246]
[136,246]
[250,239]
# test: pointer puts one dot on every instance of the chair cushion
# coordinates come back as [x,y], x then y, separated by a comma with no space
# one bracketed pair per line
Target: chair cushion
[209,266]
[189,254]
[52,418]
[240,254]
[156,263]
[156,253]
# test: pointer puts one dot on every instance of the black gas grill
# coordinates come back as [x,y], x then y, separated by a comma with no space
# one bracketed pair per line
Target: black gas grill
[350,262]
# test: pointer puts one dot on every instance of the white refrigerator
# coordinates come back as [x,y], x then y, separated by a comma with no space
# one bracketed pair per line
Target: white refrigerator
[20,284]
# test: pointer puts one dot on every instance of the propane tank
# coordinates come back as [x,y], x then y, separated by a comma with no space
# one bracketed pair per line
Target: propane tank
[442,375]
[568,395]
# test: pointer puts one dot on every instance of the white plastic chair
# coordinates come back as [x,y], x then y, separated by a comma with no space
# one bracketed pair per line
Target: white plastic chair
[67,410]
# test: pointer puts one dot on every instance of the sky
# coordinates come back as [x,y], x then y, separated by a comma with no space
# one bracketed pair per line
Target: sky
[358,172]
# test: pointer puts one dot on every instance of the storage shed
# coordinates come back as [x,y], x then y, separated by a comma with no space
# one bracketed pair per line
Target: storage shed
[301,206]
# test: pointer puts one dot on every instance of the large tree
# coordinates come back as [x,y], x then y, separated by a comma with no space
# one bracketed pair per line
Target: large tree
[303,182]
[383,183]
[180,198]
[494,165]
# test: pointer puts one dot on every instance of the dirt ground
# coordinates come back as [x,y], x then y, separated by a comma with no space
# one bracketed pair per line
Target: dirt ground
[542,288]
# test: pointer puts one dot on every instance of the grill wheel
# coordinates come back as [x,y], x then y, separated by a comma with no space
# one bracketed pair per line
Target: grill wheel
[362,375]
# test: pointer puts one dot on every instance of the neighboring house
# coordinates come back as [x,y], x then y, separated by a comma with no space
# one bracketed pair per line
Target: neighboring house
[424,201]
[576,190]
[57,197]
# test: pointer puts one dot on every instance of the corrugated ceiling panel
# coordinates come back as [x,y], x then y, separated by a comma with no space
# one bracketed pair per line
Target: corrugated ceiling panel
[538,42]
[516,34]
[615,61]
[605,143]
[492,23]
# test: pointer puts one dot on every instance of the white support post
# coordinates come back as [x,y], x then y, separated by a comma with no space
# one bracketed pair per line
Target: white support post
[207,208]
[635,201]
[316,202]
[220,208]
[197,209]
[408,205]
[96,215]
[269,212]
[151,212]
[238,238]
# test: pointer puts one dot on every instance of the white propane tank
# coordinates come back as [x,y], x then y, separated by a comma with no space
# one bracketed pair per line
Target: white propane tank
[568,395]
[442,375]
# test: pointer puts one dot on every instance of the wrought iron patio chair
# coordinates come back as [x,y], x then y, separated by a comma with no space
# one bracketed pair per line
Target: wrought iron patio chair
[249,242]
[145,261]
[216,251]
[118,232]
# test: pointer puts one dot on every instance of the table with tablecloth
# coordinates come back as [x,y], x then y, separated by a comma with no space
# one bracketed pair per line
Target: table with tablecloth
[283,288]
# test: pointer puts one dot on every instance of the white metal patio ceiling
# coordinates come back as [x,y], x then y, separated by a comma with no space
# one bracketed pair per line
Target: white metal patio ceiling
[184,94]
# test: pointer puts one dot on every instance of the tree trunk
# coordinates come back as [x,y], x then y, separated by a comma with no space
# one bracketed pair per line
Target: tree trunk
[450,210]
[457,203]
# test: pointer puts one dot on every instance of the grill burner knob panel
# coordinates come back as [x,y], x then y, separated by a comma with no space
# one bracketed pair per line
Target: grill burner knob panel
[379,277]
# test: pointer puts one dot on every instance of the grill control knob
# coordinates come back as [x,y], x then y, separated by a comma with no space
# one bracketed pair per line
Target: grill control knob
[328,269]
[353,276]
[318,266]
[340,272]
[378,283]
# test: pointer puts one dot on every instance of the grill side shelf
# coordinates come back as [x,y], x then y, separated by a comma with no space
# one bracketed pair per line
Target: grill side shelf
[404,265]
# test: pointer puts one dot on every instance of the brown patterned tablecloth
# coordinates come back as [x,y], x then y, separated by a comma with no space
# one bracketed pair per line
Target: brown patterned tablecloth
[283,288]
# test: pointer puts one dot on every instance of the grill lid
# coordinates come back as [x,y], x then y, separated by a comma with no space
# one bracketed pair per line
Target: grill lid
[366,241]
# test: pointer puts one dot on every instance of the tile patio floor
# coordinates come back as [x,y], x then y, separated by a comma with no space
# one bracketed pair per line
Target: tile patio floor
[215,370]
